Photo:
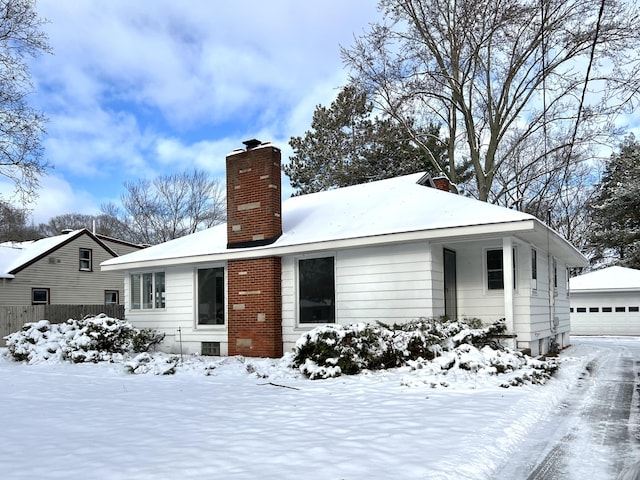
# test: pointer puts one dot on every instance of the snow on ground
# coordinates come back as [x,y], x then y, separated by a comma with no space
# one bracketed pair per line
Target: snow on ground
[240,418]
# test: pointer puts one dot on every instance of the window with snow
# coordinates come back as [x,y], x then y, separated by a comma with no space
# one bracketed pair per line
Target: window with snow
[85,259]
[147,291]
[316,287]
[211,296]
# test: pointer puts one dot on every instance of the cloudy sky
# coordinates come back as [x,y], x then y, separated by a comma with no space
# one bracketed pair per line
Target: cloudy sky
[141,88]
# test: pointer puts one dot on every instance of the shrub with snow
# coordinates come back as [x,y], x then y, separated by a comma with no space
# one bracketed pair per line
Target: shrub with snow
[439,345]
[91,339]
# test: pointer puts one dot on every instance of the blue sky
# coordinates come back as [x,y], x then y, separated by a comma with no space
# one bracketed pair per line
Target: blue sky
[136,89]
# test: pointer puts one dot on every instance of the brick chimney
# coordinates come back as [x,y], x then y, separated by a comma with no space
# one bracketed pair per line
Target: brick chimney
[253,219]
[253,195]
[442,183]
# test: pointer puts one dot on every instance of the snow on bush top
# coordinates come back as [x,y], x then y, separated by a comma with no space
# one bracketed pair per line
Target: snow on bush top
[91,339]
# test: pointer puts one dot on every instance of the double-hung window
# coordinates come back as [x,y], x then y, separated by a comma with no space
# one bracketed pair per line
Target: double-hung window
[316,290]
[495,275]
[85,259]
[147,291]
[211,296]
[534,269]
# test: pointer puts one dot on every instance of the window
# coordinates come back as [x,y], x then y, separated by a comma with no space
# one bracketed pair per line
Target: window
[495,278]
[85,259]
[594,309]
[210,348]
[147,290]
[634,309]
[316,287]
[211,296]
[555,274]
[40,296]
[581,309]
[534,268]
[620,309]
[606,309]
[111,297]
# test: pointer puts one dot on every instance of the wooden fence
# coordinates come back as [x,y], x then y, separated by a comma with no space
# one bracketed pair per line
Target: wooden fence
[13,318]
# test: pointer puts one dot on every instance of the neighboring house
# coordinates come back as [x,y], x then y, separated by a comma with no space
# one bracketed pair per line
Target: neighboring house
[390,251]
[64,269]
[606,302]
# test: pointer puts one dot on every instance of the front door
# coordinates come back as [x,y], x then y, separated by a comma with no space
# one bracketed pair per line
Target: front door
[450,296]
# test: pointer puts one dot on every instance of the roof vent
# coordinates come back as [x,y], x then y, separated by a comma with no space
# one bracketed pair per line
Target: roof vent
[66,231]
[253,143]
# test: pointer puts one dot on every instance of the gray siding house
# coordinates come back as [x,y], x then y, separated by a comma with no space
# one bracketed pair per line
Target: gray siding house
[63,269]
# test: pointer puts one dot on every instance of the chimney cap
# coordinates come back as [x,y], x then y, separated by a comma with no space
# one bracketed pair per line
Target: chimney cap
[253,143]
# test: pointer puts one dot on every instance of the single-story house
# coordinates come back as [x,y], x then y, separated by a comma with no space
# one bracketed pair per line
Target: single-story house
[390,251]
[61,270]
[606,302]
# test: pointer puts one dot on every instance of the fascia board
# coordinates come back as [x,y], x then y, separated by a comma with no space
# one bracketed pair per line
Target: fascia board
[454,233]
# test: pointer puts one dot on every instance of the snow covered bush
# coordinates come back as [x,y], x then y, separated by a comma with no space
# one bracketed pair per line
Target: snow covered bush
[435,345]
[91,339]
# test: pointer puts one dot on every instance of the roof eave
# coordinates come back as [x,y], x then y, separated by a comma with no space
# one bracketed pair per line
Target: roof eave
[452,233]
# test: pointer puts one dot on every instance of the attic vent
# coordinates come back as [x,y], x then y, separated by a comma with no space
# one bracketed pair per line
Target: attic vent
[210,348]
[54,260]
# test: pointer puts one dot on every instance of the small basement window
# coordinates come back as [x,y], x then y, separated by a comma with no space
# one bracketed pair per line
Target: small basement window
[210,349]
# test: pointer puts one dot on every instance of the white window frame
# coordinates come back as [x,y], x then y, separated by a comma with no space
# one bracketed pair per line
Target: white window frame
[48,295]
[86,261]
[158,298]
[485,269]
[534,269]
[297,261]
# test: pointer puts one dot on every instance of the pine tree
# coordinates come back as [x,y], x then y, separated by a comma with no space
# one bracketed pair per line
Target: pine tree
[347,145]
[615,210]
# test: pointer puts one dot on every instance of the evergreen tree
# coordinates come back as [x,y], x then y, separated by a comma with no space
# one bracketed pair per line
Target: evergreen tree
[347,145]
[615,210]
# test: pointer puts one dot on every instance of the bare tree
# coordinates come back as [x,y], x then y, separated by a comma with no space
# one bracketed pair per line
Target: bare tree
[170,206]
[551,69]
[14,224]
[21,127]
[103,224]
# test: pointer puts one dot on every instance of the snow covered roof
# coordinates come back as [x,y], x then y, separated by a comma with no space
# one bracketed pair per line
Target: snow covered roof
[607,279]
[14,256]
[393,210]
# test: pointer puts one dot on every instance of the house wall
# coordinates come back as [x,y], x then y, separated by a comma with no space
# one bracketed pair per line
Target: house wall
[533,315]
[390,284]
[605,323]
[66,283]
[178,319]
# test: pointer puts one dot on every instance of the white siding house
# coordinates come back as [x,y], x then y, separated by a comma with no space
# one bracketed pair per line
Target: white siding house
[389,251]
[606,302]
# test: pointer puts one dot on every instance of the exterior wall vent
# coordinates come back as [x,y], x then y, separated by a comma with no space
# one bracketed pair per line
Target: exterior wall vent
[210,349]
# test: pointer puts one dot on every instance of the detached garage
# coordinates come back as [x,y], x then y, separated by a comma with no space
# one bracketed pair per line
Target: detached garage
[605,302]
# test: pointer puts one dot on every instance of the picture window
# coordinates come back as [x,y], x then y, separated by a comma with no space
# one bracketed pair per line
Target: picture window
[211,296]
[147,290]
[316,290]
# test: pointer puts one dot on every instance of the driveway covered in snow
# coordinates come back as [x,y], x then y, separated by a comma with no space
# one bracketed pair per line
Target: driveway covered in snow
[594,431]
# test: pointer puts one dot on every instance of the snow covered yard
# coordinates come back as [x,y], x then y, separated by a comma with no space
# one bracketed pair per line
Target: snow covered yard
[239,418]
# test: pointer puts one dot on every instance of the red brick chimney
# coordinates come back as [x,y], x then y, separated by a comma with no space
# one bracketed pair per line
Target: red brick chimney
[253,219]
[442,183]
[253,195]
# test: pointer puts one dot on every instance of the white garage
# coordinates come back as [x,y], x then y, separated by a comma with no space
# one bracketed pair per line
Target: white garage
[605,302]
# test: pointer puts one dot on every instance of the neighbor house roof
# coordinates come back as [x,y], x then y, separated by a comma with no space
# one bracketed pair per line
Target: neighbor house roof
[387,211]
[607,279]
[15,256]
